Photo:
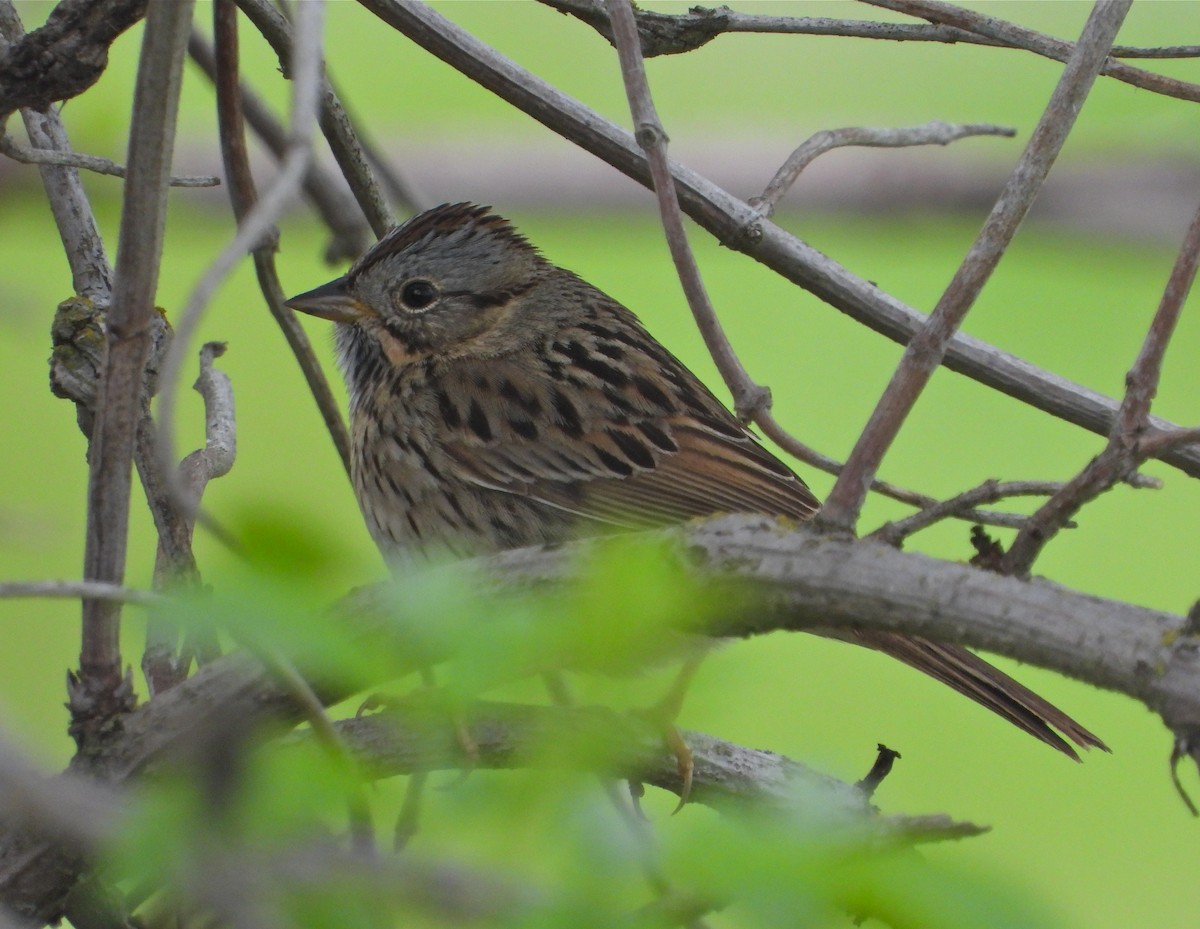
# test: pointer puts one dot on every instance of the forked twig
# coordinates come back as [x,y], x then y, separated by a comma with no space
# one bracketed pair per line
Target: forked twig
[162,667]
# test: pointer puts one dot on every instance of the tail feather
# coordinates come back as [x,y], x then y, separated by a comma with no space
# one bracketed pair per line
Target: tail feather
[973,677]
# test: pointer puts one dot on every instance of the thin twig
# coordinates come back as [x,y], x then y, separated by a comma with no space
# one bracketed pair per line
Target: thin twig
[306,87]
[1125,449]
[925,352]
[152,134]
[243,195]
[93,590]
[94,163]
[736,225]
[1020,37]
[894,533]
[399,190]
[931,133]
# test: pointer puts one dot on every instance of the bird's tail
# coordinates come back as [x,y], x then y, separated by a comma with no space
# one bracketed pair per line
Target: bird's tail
[970,675]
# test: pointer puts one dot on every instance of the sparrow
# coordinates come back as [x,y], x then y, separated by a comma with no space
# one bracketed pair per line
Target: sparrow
[499,401]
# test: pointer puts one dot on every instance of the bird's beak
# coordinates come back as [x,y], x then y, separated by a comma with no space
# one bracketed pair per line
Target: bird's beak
[330,301]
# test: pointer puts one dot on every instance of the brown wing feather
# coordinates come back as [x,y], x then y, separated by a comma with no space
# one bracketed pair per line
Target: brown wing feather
[630,438]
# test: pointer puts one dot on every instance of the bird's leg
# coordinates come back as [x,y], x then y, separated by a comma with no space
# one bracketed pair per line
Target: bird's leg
[665,712]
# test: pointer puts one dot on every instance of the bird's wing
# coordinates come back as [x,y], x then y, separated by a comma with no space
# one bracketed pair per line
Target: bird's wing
[615,432]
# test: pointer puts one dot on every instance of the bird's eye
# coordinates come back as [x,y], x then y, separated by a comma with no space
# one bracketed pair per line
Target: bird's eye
[418,294]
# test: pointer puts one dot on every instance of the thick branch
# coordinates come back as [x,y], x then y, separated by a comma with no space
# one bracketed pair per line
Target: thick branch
[410,737]
[802,581]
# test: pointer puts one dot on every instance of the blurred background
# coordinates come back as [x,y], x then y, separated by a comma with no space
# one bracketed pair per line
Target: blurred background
[1098,844]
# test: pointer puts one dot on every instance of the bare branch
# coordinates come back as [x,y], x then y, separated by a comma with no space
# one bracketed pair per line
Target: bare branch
[931,133]
[1125,450]
[94,163]
[765,420]
[162,667]
[738,226]
[808,582]
[410,737]
[751,400]
[798,581]
[676,33]
[79,328]
[1158,441]
[220,427]
[119,403]
[928,347]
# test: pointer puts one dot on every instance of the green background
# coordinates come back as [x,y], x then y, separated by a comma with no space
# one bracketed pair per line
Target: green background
[1102,844]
